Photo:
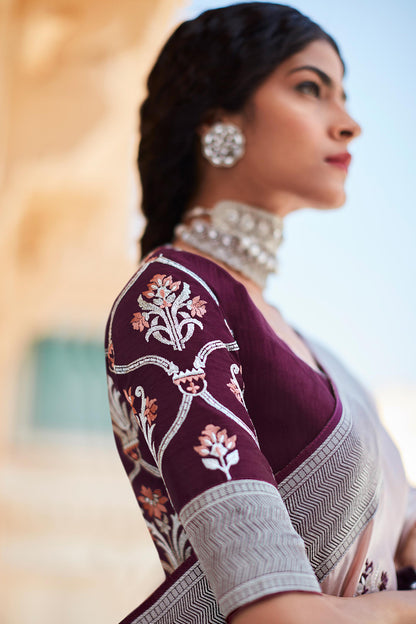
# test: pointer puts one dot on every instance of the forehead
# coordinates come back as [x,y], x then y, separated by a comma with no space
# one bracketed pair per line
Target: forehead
[320,54]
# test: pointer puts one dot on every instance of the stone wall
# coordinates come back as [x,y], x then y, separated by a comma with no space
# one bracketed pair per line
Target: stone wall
[73,547]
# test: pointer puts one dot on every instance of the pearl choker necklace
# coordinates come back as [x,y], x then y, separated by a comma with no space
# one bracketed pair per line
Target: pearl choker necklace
[243,237]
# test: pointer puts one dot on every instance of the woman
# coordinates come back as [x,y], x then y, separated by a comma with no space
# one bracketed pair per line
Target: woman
[268,484]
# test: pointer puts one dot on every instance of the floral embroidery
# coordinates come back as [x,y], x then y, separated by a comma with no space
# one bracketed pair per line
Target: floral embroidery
[126,427]
[235,390]
[384,579]
[145,417]
[162,288]
[233,385]
[132,450]
[139,321]
[215,447]
[150,411]
[130,398]
[197,306]
[153,502]
[170,539]
[362,584]
[173,309]
[192,388]
[110,354]
[190,381]
[366,582]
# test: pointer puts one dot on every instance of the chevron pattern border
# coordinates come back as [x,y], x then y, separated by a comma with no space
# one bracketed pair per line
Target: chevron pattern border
[243,537]
[334,493]
[189,600]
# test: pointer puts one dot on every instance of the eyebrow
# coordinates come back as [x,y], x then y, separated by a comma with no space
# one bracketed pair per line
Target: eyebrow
[322,75]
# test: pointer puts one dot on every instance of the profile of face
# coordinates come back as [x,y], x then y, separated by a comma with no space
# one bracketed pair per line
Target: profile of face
[294,121]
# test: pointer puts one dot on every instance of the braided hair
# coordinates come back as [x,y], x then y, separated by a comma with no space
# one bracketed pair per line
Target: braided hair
[215,61]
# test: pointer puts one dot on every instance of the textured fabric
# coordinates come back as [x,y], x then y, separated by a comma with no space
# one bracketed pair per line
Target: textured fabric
[205,398]
[233,530]
[368,564]
[187,600]
[335,492]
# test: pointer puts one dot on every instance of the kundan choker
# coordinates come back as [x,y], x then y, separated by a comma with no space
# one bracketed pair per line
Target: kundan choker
[244,237]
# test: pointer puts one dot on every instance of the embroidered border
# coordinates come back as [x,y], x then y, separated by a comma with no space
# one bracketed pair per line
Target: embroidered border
[252,549]
[167,365]
[334,493]
[190,599]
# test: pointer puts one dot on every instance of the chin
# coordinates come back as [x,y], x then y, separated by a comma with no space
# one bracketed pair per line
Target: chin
[334,200]
[341,199]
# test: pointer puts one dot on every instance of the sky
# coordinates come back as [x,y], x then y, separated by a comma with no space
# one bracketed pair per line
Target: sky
[347,276]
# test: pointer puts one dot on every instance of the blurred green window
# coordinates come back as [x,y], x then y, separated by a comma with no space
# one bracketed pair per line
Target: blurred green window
[69,389]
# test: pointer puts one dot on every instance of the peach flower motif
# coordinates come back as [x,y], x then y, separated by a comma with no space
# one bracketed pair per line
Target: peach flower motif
[130,398]
[162,290]
[150,411]
[153,502]
[215,447]
[132,450]
[110,354]
[235,390]
[193,388]
[139,321]
[197,306]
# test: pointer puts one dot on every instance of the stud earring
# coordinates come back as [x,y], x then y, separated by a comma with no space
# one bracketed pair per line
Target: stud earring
[223,145]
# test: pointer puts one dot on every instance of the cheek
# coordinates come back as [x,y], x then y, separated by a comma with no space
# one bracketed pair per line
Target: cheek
[301,131]
[277,132]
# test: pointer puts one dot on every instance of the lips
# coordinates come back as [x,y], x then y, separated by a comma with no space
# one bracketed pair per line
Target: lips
[340,160]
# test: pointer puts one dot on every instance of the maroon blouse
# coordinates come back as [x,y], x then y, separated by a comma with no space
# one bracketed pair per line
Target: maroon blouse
[204,394]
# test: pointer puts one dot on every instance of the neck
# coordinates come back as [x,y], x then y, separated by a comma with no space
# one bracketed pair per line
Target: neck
[244,188]
[240,236]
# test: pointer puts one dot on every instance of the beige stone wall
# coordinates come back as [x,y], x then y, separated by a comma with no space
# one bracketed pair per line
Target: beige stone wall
[73,547]
[73,77]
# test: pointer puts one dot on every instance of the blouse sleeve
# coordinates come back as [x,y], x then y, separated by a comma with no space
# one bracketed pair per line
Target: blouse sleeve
[172,355]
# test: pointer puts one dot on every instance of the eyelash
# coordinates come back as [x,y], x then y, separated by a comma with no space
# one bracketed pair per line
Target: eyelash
[310,83]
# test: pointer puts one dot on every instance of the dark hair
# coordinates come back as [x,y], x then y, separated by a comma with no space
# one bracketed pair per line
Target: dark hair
[215,61]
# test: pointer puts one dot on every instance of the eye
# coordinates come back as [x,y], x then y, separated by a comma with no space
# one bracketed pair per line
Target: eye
[309,86]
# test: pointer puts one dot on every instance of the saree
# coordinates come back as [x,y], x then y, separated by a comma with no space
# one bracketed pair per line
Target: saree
[256,474]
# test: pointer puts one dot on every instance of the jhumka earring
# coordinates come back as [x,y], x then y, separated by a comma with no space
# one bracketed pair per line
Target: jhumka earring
[223,145]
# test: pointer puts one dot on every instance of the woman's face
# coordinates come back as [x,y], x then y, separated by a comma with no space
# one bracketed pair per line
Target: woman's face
[294,121]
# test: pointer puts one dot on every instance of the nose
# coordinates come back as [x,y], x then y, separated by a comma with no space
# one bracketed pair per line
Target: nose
[345,128]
